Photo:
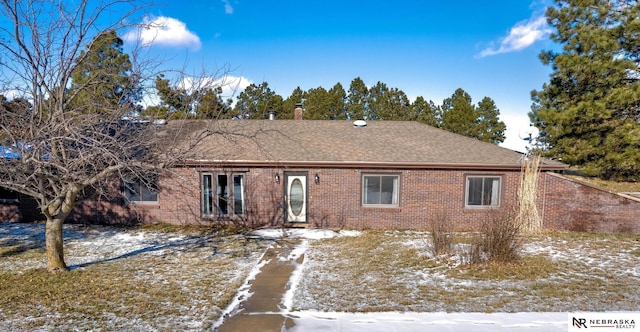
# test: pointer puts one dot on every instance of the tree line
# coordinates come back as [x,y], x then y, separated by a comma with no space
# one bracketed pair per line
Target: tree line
[588,113]
[457,113]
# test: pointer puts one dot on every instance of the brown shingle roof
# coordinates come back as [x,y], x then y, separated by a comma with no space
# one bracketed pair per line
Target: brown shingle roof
[390,143]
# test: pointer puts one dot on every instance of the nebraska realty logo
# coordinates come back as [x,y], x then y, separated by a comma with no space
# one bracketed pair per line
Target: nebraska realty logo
[602,321]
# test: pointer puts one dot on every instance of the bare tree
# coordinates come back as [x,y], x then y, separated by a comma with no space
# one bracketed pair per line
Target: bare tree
[70,136]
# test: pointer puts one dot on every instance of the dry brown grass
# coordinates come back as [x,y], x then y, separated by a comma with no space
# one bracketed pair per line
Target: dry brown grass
[526,268]
[372,261]
[609,185]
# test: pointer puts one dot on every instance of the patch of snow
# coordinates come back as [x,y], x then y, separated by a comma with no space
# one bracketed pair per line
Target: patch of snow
[311,321]
[243,292]
[302,233]
[350,233]
[296,276]
[635,271]
[270,233]
[312,234]
[297,251]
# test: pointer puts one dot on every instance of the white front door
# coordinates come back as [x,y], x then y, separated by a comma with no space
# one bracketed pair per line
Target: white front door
[296,197]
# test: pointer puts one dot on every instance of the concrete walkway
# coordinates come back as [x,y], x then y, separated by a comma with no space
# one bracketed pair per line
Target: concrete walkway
[262,310]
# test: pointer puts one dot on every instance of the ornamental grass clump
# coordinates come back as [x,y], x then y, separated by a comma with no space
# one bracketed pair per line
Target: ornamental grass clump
[528,217]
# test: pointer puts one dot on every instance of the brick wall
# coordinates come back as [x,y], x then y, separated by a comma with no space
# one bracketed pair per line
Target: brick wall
[22,209]
[572,206]
[179,200]
[336,200]
[425,195]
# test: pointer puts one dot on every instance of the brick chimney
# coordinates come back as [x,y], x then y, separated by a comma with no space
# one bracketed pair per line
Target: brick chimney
[297,112]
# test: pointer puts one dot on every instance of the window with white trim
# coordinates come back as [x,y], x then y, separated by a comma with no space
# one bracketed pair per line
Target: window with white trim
[380,190]
[139,191]
[483,191]
[223,194]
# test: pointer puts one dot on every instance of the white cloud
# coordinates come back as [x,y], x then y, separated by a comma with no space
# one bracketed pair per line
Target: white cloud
[227,7]
[521,36]
[517,127]
[165,31]
[231,85]
[11,94]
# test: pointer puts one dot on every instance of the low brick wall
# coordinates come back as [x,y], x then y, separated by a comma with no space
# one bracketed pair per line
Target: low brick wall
[573,206]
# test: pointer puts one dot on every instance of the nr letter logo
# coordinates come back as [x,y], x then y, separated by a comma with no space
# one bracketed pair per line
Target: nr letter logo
[580,322]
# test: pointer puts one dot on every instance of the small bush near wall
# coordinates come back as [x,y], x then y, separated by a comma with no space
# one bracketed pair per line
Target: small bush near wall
[441,235]
[499,239]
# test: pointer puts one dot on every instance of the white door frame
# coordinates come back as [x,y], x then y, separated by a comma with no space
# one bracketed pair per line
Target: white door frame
[296,203]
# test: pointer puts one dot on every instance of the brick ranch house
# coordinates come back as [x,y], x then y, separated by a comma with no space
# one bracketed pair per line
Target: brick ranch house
[385,174]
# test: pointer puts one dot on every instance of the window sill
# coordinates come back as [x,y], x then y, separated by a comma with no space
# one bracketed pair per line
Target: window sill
[381,206]
[223,216]
[481,207]
[145,203]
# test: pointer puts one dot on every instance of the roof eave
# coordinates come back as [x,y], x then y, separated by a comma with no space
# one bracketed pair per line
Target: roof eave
[361,164]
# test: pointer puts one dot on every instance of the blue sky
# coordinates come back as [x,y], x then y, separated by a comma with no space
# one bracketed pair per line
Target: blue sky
[425,48]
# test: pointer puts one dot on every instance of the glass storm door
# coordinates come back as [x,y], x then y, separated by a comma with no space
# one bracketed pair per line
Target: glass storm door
[296,197]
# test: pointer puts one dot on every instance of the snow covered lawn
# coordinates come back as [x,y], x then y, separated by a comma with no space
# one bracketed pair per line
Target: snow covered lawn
[395,271]
[389,281]
[121,279]
[150,279]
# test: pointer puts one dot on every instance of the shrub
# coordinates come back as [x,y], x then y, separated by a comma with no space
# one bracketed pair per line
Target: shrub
[499,239]
[440,232]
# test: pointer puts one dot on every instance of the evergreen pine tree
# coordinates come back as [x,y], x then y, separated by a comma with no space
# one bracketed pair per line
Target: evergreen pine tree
[588,112]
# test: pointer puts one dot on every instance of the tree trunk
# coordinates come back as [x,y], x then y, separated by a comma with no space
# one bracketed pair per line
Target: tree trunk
[54,244]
